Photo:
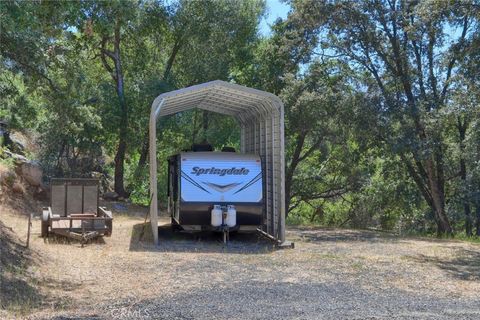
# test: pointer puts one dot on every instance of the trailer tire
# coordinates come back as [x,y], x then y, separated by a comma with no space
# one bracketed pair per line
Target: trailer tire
[175,226]
[44,229]
[45,223]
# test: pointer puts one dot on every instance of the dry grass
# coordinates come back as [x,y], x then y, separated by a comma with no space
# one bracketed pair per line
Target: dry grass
[18,293]
[123,278]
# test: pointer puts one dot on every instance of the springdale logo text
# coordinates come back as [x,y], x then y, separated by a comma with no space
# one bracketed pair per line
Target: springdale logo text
[221,172]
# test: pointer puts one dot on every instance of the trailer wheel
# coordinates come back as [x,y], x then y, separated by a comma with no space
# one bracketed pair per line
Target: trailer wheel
[44,229]
[45,224]
[175,226]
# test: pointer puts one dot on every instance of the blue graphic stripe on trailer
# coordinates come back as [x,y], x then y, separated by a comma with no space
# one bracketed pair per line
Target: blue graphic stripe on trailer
[184,175]
[250,183]
[221,188]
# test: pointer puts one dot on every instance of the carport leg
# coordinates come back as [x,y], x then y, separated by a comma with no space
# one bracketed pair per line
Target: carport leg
[278,243]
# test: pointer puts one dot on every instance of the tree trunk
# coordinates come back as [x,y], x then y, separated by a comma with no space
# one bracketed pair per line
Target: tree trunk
[426,180]
[122,137]
[468,219]
[432,172]
[119,167]
[145,145]
[117,75]
[462,128]
[466,202]
[438,199]
[289,173]
[194,129]
[205,125]
[144,152]
[122,141]
[477,224]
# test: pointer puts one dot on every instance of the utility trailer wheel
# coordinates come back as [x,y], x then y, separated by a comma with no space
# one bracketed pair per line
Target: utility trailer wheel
[44,229]
[175,226]
[45,224]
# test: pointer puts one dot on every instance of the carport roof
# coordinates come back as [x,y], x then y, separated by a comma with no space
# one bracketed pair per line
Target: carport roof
[262,132]
[218,96]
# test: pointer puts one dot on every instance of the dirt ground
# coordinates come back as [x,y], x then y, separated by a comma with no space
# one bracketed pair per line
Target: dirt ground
[331,274]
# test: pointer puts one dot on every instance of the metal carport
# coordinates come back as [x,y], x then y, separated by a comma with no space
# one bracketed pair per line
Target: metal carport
[261,118]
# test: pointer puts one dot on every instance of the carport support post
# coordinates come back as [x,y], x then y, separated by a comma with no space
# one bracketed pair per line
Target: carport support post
[282,174]
[153,172]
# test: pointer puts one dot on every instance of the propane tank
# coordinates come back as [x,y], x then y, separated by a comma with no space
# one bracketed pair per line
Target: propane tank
[231,216]
[216,219]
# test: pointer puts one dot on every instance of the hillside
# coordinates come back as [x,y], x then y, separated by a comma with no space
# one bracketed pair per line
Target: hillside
[331,274]
[18,291]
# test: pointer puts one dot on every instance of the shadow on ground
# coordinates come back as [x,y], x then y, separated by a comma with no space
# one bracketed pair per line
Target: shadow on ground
[337,235]
[16,292]
[78,317]
[253,299]
[463,265]
[202,242]
[55,239]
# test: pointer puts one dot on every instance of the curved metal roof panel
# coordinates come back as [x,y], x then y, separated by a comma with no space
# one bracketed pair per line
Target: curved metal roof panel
[218,96]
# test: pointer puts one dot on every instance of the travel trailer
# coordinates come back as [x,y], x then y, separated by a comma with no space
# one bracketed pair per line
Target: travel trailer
[216,191]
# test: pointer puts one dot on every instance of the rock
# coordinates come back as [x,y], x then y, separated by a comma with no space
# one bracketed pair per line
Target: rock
[110,196]
[32,173]
[17,157]
[41,193]
[18,143]
[18,188]
[7,176]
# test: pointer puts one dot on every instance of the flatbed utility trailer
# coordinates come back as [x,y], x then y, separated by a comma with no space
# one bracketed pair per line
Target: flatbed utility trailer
[74,211]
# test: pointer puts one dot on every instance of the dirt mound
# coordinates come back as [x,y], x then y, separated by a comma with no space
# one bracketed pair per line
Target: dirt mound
[17,294]
[18,291]
[13,253]
[17,194]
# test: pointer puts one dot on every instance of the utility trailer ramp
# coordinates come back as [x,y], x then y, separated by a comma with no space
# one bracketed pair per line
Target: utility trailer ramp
[74,211]
[261,118]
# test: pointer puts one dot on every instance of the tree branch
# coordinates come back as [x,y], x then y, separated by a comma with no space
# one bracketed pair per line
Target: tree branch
[454,59]
[432,78]
[311,150]
[171,59]
[103,56]
[418,180]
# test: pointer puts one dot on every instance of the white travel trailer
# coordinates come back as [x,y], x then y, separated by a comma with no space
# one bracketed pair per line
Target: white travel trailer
[215,190]
[260,116]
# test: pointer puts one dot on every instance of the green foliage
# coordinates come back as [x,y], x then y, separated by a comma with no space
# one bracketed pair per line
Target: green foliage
[5,161]
[18,102]
[374,119]
[408,60]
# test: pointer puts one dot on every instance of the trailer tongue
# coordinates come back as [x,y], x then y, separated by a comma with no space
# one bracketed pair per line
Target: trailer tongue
[219,191]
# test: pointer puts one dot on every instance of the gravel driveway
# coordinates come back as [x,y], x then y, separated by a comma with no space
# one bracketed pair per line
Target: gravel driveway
[331,274]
